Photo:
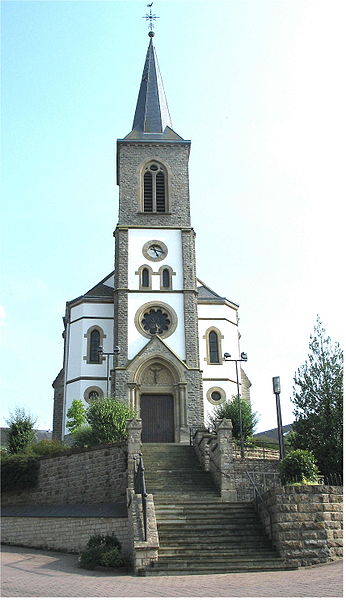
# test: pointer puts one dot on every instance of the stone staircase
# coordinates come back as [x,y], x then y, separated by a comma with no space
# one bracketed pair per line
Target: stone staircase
[197,532]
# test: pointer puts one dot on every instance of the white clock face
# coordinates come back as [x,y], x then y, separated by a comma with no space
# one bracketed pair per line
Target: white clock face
[155,250]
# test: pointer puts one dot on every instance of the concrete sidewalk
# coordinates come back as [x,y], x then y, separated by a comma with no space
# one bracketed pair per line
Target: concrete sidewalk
[40,573]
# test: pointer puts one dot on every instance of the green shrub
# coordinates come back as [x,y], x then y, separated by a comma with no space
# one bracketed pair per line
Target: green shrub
[107,418]
[109,541]
[21,431]
[102,550]
[76,414]
[230,410]
[299,466]
[19,471]
[48,448]
[90,558]
[84,437]
[112,558]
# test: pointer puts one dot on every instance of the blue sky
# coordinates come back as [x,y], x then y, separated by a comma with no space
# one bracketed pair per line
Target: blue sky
[257,85]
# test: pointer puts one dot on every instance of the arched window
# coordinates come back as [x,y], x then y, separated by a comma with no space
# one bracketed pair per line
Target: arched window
[145,274]
[145,277]
[95,338]
[166,278]
[154,189]
[213,348]
[95,343]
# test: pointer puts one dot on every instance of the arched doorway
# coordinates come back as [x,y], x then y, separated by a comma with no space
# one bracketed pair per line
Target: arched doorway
[157,391]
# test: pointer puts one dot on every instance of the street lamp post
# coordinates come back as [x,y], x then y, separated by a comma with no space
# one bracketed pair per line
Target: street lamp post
[277,390]
[108,354]
[243,358]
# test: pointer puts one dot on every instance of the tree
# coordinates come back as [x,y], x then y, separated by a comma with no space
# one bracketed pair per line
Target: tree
[21,432]
[107,423]
[318,396]
[76,414]
[230,410]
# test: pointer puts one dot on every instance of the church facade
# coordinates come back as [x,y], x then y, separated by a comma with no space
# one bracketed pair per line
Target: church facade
[151,333]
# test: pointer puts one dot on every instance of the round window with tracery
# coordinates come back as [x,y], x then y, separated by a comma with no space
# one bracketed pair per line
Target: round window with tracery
[156,319]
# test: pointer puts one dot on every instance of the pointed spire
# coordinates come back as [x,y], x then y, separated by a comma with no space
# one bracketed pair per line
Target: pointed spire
[152,114]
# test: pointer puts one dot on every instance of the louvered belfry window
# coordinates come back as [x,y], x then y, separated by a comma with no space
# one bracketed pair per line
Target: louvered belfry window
[213,348]
[94,346]
[154,192]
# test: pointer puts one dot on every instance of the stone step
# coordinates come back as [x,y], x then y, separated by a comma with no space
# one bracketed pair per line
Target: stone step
[195,519]
[214,536]
[208,525]
[246,567]
[200,514]
[214,561]
[226,551]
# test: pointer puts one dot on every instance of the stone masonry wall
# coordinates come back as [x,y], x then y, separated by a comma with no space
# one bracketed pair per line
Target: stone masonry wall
[90,476]
[304,522]
[64,534]
[132,157]
[220,455]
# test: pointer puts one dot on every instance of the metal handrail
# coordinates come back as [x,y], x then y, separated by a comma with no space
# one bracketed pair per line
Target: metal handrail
[259,495]
[140,488]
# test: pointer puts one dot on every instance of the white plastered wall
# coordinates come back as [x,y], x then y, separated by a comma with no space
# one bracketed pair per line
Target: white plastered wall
[172,239]
[80,374]
[136,299]
[222,376]
[137,341]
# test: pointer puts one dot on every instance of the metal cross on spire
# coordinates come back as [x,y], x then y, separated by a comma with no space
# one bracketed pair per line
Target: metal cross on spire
[150,17]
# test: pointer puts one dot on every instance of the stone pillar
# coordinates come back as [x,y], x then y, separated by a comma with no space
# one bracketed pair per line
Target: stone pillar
[134,444]
[134,398]
[225,456]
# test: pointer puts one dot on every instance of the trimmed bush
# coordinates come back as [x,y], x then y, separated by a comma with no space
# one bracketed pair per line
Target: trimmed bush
[19,472]
[103,551]
[299,466]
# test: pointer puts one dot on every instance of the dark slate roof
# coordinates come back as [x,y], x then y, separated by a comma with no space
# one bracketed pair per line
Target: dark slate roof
[206,294]
[99,291]
[152,119]
[108,509]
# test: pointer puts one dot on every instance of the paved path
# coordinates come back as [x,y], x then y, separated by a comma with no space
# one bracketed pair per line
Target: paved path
[41,573]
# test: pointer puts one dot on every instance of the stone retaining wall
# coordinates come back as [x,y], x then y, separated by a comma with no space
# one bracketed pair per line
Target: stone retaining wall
[64,534]
[98,475]
[304,522]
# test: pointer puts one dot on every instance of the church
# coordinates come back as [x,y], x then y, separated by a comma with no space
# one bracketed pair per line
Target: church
[151,333]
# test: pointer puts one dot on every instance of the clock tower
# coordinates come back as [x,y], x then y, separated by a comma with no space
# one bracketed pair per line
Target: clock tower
[156,370]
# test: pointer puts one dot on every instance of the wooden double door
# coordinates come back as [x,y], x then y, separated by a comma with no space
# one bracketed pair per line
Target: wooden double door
[157,414]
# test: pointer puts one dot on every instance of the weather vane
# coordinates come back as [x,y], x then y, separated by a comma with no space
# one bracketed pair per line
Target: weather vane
[150,17]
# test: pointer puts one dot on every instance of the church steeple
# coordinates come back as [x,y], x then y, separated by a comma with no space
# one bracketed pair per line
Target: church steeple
[152,115]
